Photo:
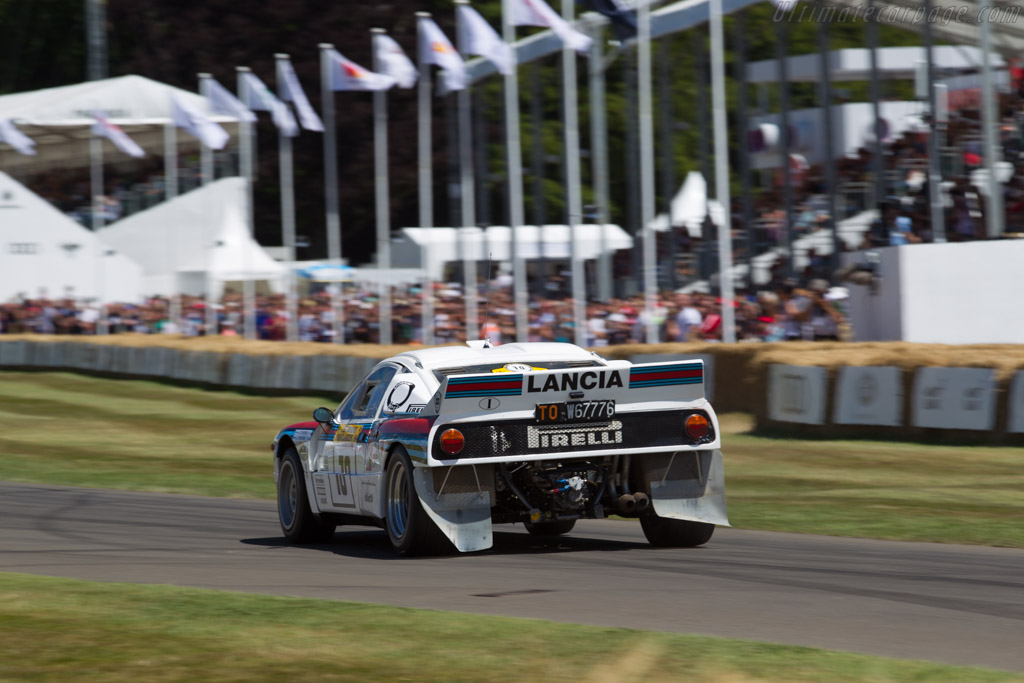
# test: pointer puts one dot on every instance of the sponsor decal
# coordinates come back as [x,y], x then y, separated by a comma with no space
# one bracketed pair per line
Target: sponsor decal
[608,434]
[369,489]
[665,375]
[573,381]
[489,403]
[518,367]
[473,387]
[415,407]
[302,434]
[400,393]
[348,433]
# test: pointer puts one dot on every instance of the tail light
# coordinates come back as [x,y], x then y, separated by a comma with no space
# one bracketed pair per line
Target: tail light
[452,442]
[697,426]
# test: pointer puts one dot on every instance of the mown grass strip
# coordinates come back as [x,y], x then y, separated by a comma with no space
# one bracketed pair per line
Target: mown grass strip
[63,629]
[63,428]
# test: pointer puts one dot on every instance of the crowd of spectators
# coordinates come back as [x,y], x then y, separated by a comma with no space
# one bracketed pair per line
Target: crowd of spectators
[905,215]
[791,312]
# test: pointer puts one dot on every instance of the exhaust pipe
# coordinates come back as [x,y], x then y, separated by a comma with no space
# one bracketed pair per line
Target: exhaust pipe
[643,501]
[626,503]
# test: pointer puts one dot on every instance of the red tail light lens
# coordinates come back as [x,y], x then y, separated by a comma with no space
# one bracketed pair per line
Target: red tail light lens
[697,427]
[452,442]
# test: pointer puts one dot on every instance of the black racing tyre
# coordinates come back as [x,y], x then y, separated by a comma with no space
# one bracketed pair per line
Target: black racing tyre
[674,533]
[410,530]
[298,522]
[557,528]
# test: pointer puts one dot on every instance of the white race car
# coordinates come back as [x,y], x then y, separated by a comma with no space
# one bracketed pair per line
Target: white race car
[439,444]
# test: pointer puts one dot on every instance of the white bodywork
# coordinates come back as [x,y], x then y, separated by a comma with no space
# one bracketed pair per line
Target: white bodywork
[345,473]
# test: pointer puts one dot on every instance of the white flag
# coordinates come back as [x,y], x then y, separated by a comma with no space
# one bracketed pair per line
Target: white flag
[259,98]
[198,124]
[393,61]
[291,91]
[104,128]
[435,48]
[539,13]
[15,138]
[478,38]
[347,75]
[223,102]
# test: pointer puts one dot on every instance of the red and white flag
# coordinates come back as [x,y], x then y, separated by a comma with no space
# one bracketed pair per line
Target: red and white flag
[347,75]
[104,128]
[478,38]
[15,138]
[539,13]
[435,48]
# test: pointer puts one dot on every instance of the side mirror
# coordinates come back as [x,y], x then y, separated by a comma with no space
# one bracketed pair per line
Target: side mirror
[323,415]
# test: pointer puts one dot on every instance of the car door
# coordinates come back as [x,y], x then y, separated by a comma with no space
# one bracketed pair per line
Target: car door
[323,454]
[356,417]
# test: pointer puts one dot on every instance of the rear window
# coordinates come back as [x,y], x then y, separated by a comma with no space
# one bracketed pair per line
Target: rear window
[518,366]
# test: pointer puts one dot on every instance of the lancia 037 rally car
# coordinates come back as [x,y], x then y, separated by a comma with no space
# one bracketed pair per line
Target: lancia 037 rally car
[437,445]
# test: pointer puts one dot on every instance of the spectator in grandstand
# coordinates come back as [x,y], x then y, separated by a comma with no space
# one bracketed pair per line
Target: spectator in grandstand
[688,320]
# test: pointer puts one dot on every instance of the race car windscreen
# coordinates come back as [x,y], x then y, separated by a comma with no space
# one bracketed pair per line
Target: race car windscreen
[519,366]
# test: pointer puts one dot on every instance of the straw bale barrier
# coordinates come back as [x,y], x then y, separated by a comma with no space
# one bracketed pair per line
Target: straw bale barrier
[740,371]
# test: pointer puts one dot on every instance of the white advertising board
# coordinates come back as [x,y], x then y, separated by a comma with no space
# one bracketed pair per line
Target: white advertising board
[954,398]
[870,395]
[1015,408]
[797,394]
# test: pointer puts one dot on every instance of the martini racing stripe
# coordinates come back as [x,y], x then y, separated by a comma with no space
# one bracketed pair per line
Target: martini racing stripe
[471,387]
[665,375]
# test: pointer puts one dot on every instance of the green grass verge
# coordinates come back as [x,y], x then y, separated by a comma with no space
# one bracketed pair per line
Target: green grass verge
[63,428]
[63,629]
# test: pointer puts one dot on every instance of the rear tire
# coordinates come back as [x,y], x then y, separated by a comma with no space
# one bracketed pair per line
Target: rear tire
[410,529]
[663,532]
[298,522]
[557,528]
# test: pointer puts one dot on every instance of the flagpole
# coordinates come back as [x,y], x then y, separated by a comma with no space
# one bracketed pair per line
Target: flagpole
[96,178]
[284,153]
[572,181]
[722,170]
[469,286]
[382,191]
[246,163]
[515,175]
[599,161]
[647,167]
[995,207]
[170,192]
[206,166]
[331,190]
[426,182]
[205,153]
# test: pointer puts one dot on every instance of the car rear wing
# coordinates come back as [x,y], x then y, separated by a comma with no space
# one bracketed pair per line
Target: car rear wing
[504,392]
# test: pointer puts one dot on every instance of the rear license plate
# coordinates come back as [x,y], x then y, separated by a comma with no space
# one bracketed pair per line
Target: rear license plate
[574,411]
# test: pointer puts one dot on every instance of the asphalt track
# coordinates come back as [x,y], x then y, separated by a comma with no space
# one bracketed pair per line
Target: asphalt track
[945,603]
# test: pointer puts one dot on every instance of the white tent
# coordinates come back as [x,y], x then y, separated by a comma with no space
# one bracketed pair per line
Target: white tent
[43,253]
[550,241]
[690,206]
[59,120]
[200,233]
